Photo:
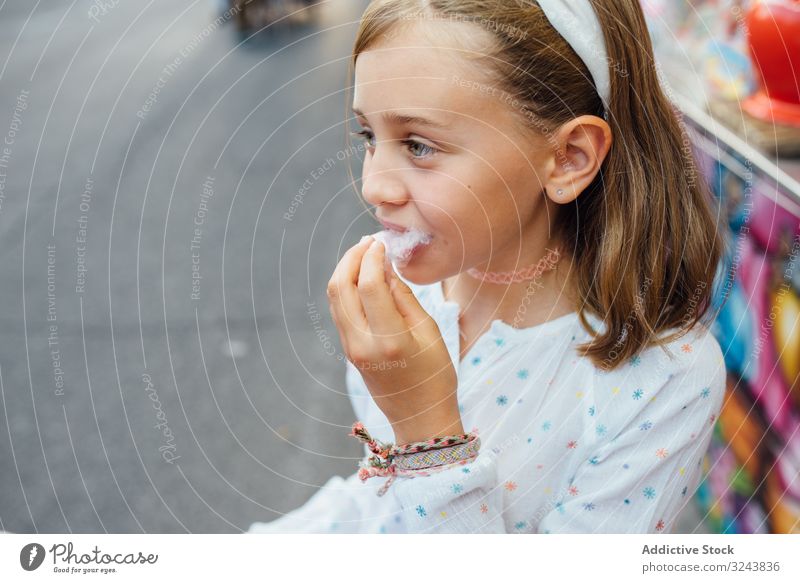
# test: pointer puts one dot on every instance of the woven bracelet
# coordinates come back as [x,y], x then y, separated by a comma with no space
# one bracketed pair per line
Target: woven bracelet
[438,457]
[435,443]
[432,470]
[442,452]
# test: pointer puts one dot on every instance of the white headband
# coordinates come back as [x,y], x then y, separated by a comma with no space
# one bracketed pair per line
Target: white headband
[577,22]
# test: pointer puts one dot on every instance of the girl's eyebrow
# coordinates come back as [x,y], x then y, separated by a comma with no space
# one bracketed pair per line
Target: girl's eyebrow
[400,119]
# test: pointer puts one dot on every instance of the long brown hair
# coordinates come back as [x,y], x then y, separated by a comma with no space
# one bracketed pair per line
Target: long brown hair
[645,242]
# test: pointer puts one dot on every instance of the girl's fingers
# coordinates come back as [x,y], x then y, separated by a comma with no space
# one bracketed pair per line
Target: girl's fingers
[384,320]
[343,295]
[406,302]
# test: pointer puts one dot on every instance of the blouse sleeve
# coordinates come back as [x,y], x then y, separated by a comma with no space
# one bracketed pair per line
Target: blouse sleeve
[336,508]
[460,499]
[639,480]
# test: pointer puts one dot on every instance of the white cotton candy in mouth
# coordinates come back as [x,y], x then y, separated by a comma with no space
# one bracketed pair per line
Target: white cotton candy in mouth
[400,245]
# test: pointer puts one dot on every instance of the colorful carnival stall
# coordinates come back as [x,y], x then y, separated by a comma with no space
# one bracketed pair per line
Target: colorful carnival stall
[734,73]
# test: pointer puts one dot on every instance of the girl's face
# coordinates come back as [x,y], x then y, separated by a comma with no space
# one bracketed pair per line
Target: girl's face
[446,153]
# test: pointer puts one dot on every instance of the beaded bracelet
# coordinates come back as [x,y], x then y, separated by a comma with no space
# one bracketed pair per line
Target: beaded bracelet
[442,453]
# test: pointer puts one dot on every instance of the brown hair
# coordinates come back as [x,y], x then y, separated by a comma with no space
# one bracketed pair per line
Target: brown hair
[643,236]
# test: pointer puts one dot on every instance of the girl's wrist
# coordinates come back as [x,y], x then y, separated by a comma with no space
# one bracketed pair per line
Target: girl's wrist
[421,430]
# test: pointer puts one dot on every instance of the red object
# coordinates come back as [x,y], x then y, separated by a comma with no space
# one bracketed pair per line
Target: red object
[774,40]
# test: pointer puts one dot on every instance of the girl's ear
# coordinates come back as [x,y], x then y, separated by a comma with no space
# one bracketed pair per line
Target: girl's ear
[581,145]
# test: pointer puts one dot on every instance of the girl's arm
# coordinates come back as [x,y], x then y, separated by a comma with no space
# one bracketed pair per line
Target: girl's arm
[467,495]
[640,480]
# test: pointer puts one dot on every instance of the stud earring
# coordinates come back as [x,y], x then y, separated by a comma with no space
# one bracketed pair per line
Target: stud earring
[559,192]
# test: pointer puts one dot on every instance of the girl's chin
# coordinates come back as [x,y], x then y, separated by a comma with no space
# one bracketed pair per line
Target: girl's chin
[417,269]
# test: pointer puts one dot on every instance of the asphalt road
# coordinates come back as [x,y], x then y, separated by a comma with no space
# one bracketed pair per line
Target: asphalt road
[173,200]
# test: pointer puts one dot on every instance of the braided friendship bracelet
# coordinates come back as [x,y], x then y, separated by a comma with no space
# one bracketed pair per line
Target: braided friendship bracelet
[438,457]
[432,444]
[416,459]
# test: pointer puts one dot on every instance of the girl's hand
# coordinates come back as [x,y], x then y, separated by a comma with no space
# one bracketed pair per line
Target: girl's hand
[395,344]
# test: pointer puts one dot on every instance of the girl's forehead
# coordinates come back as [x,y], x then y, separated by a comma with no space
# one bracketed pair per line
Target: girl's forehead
[402,74]
[425,57]
[422,45]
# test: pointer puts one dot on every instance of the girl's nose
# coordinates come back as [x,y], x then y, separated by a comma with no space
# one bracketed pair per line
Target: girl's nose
[382,183]
[378,189]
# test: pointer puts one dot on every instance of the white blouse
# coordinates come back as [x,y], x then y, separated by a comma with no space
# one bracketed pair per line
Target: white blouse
[566,447]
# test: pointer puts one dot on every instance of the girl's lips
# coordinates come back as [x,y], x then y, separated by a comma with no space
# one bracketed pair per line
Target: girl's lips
[392,226]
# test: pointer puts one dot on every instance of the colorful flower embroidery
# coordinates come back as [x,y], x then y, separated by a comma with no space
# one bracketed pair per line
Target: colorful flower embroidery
[457,488]
[686,348]
[589,506]
[484,509]
[660,525]
[520,525]
[502,400]
[573,491]
[626,501]
[591,411]
[465,470]
[499,341]
[510,486]
[546,426]
[601,430]
[594,460]
[421,511]
[705,392]
[572,444]
[645,426]
[683,492]
[637,394]
[476,361]
[522,373]
[661,453]
[649,492]
[635,360]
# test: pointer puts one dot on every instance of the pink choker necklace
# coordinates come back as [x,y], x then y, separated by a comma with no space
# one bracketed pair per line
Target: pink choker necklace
[545,264]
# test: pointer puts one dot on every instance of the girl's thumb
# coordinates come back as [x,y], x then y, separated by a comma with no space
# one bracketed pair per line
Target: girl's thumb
[406,301]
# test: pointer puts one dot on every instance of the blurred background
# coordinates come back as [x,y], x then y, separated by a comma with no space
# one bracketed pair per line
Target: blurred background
[175,192]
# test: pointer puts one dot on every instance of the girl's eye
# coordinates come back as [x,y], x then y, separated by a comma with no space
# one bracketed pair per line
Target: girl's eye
[365,135]
[424,151]
[417,149]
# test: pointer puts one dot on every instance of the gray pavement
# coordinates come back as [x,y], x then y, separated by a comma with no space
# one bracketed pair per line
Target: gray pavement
[159,363]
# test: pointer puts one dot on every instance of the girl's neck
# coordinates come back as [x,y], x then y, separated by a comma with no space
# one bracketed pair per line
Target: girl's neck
[549,296]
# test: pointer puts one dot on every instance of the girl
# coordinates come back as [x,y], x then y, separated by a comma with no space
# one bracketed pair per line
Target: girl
[553,322]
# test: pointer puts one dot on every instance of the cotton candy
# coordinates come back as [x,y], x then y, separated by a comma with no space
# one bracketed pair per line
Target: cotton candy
[400,245]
